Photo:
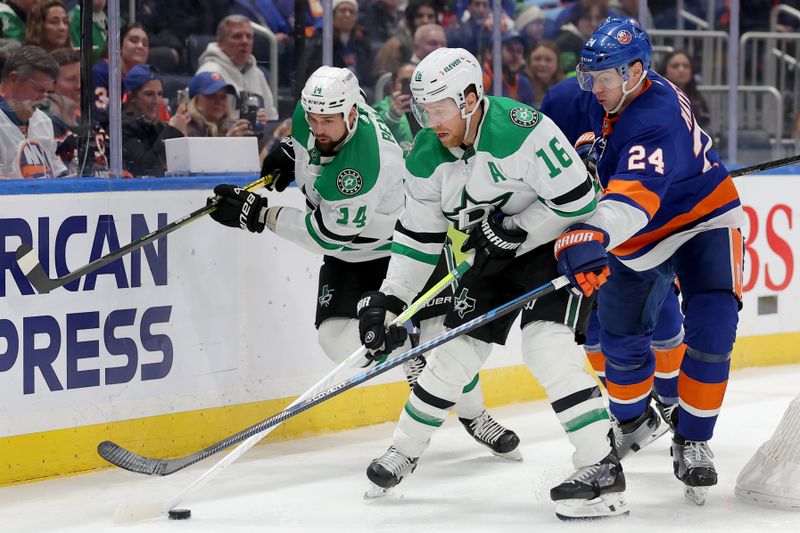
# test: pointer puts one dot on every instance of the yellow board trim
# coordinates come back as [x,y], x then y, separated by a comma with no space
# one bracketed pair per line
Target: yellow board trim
[38,456]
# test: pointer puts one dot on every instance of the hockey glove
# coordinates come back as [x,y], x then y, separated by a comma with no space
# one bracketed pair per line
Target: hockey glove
[582,258]
[375,311]
[238,208]
[280,163]
[495,246]
[585,147]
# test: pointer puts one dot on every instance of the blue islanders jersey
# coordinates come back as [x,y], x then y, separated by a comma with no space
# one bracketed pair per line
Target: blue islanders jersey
[663,182]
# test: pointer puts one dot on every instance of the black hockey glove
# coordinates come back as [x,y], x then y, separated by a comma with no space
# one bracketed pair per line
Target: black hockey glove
[280,163]
[495,246]
[238,208]
[375,311]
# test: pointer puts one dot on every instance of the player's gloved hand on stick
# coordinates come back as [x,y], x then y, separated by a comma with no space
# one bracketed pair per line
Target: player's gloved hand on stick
[495,245]
[280,163]
[582,258]
[239,208]
[585,147]
[375,311]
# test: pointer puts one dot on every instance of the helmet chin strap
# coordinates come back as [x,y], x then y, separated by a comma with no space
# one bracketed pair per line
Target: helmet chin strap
[625,93]
[351,130]
[468,117]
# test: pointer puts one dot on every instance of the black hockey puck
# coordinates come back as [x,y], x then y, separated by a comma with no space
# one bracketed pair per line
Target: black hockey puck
[180,514]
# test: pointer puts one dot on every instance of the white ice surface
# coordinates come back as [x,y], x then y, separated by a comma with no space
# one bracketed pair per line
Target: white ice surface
[317,484]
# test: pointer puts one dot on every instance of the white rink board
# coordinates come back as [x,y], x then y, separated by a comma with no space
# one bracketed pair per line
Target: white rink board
[241,308]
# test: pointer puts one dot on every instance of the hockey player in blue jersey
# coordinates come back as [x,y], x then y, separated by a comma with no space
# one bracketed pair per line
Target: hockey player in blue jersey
[571,109]
[670,209]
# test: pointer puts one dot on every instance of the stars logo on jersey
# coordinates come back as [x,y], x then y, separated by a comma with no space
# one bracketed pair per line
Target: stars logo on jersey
[471,211]
[464,305]
[325,297]
[349,182]
[522,116]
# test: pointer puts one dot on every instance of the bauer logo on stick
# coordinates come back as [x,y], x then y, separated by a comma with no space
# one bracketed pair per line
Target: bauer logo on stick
[349,182]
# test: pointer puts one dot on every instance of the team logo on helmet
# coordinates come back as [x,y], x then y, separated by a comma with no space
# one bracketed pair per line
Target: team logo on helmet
[349,182]
[522,116]
[624,36]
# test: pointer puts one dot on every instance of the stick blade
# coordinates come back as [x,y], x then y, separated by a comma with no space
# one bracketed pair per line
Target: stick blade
[128,460]
[138,511]
[33,270]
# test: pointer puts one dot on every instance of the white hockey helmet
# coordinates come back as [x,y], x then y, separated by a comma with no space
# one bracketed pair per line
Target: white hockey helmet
[445,73]
[331,90]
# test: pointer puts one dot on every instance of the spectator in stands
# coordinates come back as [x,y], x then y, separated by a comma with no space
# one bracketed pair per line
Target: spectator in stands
[543,69]
[134,49]
[515,84]
[143,132]
[379,20]
[263,12]
[350,48]
[568,14]
[27,147]
[48,25]
[399,48]
[586,16]
[427,38]
[210,110]
[530,24]
[463,5]
[677,68]
[65,99]
[13,17]
[231,56]
[630,8]
[99,28]
[395,108]
[474,33]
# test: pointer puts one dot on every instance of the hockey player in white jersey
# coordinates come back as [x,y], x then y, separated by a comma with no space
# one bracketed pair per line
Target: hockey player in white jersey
[350,169]
[506,174]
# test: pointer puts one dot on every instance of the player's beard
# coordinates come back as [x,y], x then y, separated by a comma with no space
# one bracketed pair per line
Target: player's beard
[329,148]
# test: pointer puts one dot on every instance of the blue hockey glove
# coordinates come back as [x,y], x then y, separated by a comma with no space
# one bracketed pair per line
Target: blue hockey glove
[495,247]
[582,258]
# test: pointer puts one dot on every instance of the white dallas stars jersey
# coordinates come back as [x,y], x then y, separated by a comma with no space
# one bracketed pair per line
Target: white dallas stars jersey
[520,163]
[354,198]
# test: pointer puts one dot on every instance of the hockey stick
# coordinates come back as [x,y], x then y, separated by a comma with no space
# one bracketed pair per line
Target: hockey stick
[119,456]
[34,272]
[254,433]
[769,165]
[138,511]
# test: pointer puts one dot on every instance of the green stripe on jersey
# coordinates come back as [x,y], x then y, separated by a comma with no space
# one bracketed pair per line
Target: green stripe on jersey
[595,415]
[588,208]
[314,235]
[471,384]
[421,417]
[422,257]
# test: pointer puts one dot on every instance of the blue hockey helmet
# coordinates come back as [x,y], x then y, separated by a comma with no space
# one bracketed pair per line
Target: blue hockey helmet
[616,43]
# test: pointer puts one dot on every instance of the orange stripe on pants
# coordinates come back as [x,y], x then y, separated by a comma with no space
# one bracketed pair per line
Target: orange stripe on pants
[702,396]
[629,392]
[598,361]
[668,361]
[737,264]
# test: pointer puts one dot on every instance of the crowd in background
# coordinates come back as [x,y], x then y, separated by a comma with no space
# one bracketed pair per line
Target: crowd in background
[198,68]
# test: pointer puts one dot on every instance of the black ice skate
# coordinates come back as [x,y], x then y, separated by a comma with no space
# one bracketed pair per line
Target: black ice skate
[691,461]
[502,441]
[632,436]
[387,471]
[593,491]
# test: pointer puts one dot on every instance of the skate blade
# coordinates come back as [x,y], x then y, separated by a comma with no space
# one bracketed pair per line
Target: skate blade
[604,506]
[374,492]
[696,494]
[513,455]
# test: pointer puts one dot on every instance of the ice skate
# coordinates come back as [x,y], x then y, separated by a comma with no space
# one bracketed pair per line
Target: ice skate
[502,441]
[387,471]
[592,492]
[691,461]
[668,412]
[630,437]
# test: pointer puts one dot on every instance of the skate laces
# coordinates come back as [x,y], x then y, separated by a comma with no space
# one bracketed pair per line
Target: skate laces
[599,473]
[485,428]
[394,461]
[697,454]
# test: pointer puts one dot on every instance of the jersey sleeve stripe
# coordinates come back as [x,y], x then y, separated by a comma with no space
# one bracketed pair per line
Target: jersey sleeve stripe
[575,194]
[319,240]
[588,208]
[328,233]
[402,249]
[421,237]
[636,191]
[724,196]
